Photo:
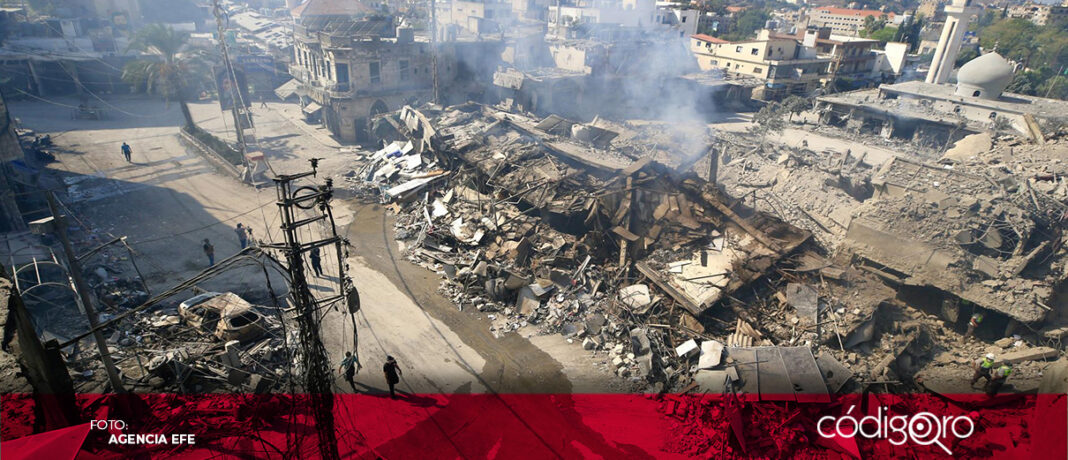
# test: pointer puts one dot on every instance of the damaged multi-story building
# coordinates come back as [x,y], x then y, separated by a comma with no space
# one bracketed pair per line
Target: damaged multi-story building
[782,63]
[355,64]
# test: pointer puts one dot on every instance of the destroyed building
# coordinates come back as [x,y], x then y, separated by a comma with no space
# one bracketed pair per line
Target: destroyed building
[937,114]
[583,230]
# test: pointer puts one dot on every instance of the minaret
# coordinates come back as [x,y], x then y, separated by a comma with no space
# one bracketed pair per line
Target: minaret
[958,15]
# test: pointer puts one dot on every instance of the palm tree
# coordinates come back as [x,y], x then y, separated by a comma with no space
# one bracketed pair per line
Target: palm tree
[168,73]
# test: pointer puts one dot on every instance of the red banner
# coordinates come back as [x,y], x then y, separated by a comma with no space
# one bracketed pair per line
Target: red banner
[543,426]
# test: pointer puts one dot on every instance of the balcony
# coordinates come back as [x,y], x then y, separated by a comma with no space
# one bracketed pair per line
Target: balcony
[339,90]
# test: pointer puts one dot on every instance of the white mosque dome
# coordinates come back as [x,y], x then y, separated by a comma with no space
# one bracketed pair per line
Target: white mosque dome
[984,77]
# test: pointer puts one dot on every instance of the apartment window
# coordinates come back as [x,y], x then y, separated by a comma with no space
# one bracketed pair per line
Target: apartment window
[738,49]
[376,73]
[403,70]
[758,70]
[715,62]
[342,71]
[754,51]
[684,19]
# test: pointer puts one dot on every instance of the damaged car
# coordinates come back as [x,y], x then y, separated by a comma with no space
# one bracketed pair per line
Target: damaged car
[225,315]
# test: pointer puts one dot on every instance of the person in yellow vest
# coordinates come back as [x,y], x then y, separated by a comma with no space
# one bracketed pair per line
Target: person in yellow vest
[983,368]
[995,383]
[973,323]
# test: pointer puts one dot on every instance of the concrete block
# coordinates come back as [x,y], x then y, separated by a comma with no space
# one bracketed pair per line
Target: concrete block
[711,354]
[1029,354]
[687,349]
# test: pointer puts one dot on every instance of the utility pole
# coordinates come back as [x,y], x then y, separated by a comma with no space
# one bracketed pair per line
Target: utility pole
[434,45]
[1054,82]
[235,93]
[60,227]
[318,380]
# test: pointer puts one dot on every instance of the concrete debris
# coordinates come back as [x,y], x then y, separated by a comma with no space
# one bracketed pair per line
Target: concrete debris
[586,231]
[805,300]
[711,354]
[636,298]
[1029,354]
[687,349]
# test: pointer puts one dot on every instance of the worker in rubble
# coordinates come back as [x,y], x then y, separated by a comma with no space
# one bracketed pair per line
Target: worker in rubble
[983,368]
[316,261]
[974,322]
[209,251]
[349,366]
[242,235]
[995,383]
[393,373]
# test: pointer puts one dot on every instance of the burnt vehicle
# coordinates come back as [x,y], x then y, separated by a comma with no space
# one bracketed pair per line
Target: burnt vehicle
[225,315]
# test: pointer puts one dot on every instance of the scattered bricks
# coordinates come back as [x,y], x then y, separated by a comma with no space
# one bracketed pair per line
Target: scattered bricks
[617,362]
[1004,342]
[1030,354]
[588,344]
[883,365]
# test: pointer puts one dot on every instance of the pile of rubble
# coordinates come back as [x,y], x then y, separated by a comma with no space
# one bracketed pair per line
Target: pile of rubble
[576,229]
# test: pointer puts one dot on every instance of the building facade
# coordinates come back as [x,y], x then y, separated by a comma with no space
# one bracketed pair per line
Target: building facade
[355,69]
[785,66]
[844,21]
[1040,14]
[850,56]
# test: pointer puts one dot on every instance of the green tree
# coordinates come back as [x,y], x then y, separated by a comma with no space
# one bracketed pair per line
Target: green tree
[747,24]
[884,35]
[966,54]
[168,73]
[1013,38]
[769,120]
[794,105]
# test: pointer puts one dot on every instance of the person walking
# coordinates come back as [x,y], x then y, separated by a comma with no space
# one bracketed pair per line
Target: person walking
[393,373]
[983,368]
[263,102]
[998,380]
[349,366]
[316,262]
[242,235]
[209,251]
[126,151]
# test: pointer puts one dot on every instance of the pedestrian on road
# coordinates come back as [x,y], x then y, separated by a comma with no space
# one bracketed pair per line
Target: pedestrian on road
[973,323]
[209,251]
[998,380]
[263,102]
[242,235]
[349,366]
[393,373]
[983,368]
[316,262]
[126,151]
